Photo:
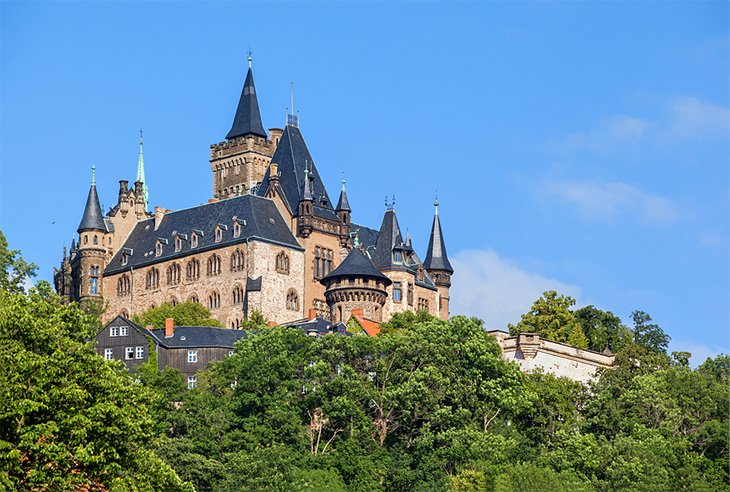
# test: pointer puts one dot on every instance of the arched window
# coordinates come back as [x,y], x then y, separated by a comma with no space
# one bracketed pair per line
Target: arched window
[292,300]
[86,239]
[238,294]
[123,286]
[173,301]
[237,261]
[173,274]
[192,270]
[96,239]
[124,313]
[178,243]
[282,263]
[218,234]
[193,240]
[322,262]
[158,248]
[153,279]
[214,300]
[214,265]
[94,280]
[236,229]
[194,298]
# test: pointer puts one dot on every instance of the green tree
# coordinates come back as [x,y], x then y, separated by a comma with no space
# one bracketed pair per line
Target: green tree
[69,419]
[14,270]
[603,329]
[184,314]
[551,318]
[647,334]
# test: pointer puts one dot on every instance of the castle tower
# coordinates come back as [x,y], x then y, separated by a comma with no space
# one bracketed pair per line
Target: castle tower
[88,265]
[239,163]
[355,284]
[437,263]
[343,213]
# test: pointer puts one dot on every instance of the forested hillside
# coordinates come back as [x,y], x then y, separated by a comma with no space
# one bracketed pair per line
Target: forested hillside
[426,405]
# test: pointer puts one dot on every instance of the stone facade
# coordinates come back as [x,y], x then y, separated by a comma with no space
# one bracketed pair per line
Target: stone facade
[223,291]
[532,352]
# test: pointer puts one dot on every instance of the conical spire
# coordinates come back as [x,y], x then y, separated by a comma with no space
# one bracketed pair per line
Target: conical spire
[248,117]
[343,204]
[436,257]
[92,219]
[140,170]
[307,192]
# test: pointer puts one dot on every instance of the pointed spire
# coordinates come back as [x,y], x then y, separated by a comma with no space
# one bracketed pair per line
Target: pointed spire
[343,204]
[307,192]
[92,218]
[248,117]
[436,257]
[140,170]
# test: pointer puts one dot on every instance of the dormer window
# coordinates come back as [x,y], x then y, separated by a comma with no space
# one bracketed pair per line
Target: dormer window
[125,259]
[193,240]
[178,243]
[397,256]
[158,248]
[237,226]
[219,232]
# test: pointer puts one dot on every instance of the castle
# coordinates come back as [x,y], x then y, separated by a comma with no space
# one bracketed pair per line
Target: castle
[270,239]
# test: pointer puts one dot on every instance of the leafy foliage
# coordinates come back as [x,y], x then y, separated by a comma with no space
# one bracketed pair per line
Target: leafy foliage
[551,318]
[185,314]
[14,270]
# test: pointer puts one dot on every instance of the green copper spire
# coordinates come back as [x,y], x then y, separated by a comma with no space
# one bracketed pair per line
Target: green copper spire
[140,170]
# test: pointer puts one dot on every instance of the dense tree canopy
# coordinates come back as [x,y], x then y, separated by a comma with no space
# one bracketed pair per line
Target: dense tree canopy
[427,405]
[185,314]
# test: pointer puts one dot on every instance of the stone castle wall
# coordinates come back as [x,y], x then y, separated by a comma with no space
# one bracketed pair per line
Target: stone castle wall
[260,260]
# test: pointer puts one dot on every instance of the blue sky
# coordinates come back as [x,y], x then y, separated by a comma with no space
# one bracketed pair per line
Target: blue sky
[582,147]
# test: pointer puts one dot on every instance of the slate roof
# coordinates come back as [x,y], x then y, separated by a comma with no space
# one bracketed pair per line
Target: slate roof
[263,222]
[92,218]
[436,257]
[318,326]
[248,117]
[292,156]
[199,336]
[389,237]
[186,336]
[343,203]
[367,236]
[356,264]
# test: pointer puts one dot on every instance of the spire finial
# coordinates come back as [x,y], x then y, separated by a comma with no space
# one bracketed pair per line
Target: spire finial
[140,170]
[343,181]
[93,175]
[356,239]
[436,204]
[250,57]
[393,204]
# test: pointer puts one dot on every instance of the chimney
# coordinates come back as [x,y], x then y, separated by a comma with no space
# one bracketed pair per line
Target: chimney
[312,313]
[150,327]
[271,324]
[275,135]
[169,327]
[159,214]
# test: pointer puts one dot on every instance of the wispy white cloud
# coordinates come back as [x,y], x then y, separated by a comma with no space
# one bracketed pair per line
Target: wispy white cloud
[497,289]
[691,117]
[617,131]
[700,352]
[595,200]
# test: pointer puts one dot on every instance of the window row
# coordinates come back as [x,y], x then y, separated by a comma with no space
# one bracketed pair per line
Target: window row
[118,331]
[322,262]
[179,238]
[130,353]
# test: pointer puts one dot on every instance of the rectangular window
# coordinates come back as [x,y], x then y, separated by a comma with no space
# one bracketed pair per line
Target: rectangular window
[129,353]
[108,354]
[114,331]
[123,331]
[192,356]
[139,353]
[397,291]
[94,287]
[191,381]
